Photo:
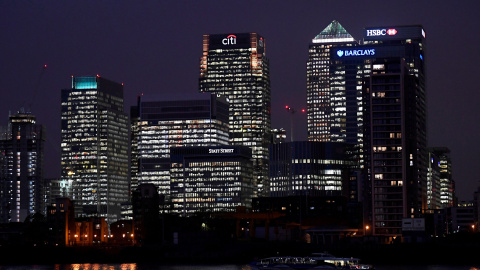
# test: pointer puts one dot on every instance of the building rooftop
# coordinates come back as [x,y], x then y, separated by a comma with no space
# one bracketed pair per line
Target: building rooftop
[334,32]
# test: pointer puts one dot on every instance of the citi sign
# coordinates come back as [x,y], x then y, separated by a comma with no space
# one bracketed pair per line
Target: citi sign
[381,32]
[346,53]
[230,40]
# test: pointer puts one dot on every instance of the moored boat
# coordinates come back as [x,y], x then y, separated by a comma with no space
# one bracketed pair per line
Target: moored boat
[316,261]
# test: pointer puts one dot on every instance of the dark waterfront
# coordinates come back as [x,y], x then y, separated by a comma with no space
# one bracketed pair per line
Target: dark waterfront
[134,266]
[439,255]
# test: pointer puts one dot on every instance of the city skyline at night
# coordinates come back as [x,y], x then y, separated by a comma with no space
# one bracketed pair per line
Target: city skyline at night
[154,49]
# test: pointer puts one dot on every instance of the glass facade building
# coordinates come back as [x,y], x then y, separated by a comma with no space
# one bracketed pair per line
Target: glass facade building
[313,168]
[235,66]
[211,179]
[433,182]
[371,95]
[395,126]
[161,125]
[21,168]
[134,121]
[447,185]
[94,146]
[333,91]
[334,97]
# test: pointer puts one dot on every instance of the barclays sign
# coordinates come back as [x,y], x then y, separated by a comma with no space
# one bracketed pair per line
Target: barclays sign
[355,52]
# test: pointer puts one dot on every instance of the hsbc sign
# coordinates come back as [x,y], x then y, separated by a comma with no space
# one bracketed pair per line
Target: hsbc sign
[381,32]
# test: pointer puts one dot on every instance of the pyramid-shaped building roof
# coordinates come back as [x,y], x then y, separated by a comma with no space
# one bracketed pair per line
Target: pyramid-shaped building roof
[334,32]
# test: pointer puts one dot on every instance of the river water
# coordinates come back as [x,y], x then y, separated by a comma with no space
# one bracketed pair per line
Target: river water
[134,266]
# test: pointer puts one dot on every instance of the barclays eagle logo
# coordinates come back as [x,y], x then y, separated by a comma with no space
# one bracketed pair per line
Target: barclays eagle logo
[340,53]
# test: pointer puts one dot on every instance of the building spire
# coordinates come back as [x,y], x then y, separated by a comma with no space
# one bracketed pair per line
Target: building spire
[334,32]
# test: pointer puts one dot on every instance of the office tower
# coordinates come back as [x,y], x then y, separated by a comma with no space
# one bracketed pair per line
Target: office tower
[395,150]
[403,41]
[391,73]
[334,101]
[211,179]
[178,123]
[395,125]
[333,91]
[95,146]
[235,66]
[433,182]
[134,121]
[334,98]
[316,169]
[21,168]
[447,185]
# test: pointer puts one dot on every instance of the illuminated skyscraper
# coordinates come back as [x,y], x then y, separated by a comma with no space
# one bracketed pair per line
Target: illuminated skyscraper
[211,179]
[334,101]
[134,121]
[95,146]
[316,169]
[372,95]
[395,125]
[235,66]
[447,185]
[333,91]
[433,182]
[21,168]
[179,123]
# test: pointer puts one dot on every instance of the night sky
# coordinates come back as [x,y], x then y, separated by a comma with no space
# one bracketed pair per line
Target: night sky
[153,47]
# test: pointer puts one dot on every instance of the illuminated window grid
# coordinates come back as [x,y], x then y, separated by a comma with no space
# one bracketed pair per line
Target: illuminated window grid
[94,146]
[210,184]
[242,75]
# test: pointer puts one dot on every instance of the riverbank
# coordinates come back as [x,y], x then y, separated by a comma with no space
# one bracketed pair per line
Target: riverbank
[245,252]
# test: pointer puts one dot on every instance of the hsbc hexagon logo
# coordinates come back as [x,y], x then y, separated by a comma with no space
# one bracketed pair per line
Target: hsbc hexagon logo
[392,32]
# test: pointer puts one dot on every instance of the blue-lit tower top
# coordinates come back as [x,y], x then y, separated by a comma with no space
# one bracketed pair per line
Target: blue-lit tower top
[84,82]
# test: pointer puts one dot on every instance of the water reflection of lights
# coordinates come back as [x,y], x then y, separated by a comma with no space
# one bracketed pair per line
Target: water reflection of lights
[98,266]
